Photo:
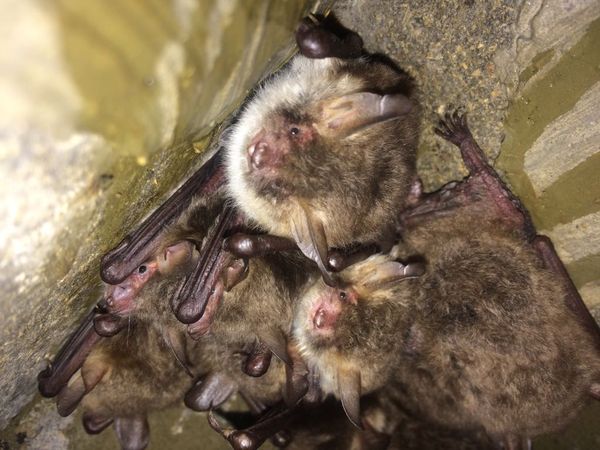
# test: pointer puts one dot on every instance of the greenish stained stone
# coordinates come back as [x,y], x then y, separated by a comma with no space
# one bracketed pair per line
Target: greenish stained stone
[549,97]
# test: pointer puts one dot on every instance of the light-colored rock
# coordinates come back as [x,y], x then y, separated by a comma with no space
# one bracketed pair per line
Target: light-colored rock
[577,239]
[566,142]
[590,292]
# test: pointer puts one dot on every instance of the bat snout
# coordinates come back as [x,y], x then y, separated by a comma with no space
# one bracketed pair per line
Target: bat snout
[119,299]
[324,315]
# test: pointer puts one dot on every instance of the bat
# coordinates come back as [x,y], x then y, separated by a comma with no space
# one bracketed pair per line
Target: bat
[491,335]
[108,318]
[147,368]
[227,350]
[374,106]
[318,139]
[348,333]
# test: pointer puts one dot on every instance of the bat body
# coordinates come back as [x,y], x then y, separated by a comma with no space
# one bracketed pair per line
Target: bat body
[256,314]
[349,334]
[324,152]
[386,426]
[146,367]
[487,338]
[490,342]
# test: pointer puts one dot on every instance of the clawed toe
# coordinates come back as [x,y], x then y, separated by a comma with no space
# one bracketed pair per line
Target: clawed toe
[454,128]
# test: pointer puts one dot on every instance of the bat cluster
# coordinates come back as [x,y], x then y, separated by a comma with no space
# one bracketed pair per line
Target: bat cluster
[303,268]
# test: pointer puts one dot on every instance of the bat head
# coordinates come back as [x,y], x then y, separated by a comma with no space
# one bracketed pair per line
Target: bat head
[323,133]
[120,298]
[357,327]
[123,299]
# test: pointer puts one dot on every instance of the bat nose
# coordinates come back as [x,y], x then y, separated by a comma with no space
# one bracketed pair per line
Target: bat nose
[119,295]
[260,155]
[326,317]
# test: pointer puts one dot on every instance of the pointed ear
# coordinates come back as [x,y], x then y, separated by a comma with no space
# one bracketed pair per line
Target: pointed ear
[132,432]
[173,256]
[345,115]
[391,272]
[70,396]
[349,392]
[275,340]
[296,378]
[309,235]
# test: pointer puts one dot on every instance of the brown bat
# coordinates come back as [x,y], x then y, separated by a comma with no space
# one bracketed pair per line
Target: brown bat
[146,368]
[321,138]
[492,336]
[112,314]
[234,338]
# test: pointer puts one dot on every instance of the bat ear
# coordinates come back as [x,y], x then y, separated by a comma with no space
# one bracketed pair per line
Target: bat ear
[389,273]
[309,234]
[174,256]
[349,391]
[348,114]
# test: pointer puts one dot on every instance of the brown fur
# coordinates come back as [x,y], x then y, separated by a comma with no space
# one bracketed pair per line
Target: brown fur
[353,184]
[386,426]
[491,341]
[483,339]
[144,373]
[260,305]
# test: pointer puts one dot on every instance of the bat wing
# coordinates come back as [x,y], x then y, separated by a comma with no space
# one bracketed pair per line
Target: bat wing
[139,245]
[70,358]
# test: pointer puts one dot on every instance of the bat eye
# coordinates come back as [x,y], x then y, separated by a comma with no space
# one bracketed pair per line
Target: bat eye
[142,269]
[294,131]
[343,296]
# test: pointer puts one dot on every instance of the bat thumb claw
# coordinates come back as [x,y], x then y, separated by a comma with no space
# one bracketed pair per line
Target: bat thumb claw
[214,423]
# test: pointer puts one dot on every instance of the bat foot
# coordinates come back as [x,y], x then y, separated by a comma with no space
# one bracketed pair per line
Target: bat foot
[268,426]
[93,424]
[454,128]
[483,185]
[319,37]
[258,361]
[209,392]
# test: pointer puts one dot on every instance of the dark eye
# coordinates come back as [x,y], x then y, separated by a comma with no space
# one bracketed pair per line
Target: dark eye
[343,296]
[294,131]
[142,269]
